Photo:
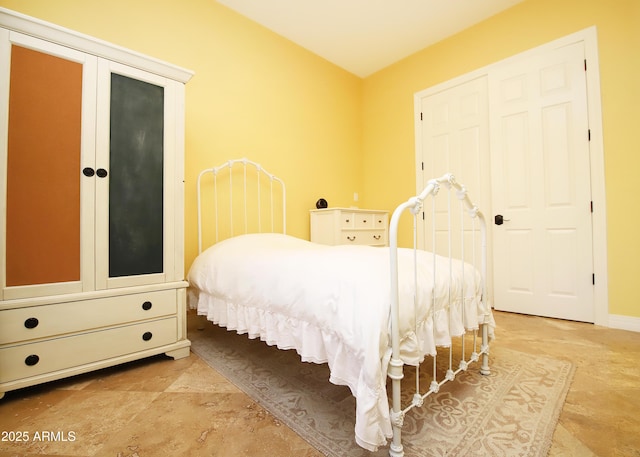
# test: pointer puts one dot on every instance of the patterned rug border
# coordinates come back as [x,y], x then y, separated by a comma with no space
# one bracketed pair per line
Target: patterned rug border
[285,410]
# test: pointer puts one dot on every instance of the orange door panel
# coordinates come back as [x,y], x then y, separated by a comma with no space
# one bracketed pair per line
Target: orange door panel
[43,186]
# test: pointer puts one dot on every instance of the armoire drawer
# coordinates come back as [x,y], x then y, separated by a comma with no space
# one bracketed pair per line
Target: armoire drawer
[32,359]
[23,324]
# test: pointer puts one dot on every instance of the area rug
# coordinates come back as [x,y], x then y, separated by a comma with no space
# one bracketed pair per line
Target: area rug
[511,412]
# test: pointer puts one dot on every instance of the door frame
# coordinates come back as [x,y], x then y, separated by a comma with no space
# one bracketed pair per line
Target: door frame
[596,152]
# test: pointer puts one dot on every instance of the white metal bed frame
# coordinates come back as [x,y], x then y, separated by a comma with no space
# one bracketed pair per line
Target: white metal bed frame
[258,172]
[414,205]
[395,373]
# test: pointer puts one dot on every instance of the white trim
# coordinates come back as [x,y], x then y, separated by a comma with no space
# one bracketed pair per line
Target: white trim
[623,322]
[5,76]
[44,30]
[590,39]
[178,175]
[598,187]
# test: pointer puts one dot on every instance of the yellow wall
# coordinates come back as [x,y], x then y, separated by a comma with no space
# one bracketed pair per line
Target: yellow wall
[329,133]
[254,95]
[389,142]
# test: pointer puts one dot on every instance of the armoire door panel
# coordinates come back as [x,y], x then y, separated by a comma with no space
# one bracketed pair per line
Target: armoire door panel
[43,163]
[134,141]
[136,215]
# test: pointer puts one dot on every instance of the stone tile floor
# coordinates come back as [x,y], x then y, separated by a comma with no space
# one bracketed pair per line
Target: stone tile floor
[161,407]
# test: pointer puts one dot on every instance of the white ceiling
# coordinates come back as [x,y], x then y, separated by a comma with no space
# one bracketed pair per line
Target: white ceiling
[364,36]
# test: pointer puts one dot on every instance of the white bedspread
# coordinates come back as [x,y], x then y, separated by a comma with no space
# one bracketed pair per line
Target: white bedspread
[331,304]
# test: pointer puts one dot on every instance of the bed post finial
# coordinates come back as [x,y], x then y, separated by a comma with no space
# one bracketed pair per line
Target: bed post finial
[415,205]
[435,187]
[461,193]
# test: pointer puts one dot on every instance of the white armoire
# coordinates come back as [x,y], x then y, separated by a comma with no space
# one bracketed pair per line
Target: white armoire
[91,204]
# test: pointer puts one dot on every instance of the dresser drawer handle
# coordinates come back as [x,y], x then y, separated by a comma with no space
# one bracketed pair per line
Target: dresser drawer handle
[377,237]
[31,360]
[351,238]
[32,322]
[147,336]
[147,305]
[364,221]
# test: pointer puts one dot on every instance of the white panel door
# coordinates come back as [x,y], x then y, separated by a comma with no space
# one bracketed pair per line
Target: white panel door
[452,134]
[542,255]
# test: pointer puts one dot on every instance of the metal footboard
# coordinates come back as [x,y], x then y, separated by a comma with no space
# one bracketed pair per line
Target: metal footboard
[395,372]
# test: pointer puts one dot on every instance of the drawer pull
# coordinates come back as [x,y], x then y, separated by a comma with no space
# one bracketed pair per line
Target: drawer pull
[377,237]
[32,322]
[364,221]
[147,305]
[147,336]
[31,360]
[351,238]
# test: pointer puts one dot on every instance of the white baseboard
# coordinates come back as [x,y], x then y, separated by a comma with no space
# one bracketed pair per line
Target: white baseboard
[624,322]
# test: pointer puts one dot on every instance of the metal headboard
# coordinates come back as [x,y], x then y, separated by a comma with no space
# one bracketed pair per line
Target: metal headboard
[248,172]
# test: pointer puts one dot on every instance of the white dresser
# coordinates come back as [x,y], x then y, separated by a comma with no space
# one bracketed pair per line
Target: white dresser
[350,226]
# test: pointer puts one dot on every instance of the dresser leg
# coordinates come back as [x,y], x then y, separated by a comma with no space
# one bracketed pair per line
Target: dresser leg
[179,353]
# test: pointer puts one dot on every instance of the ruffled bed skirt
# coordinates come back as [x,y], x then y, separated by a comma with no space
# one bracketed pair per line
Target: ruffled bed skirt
[348,366]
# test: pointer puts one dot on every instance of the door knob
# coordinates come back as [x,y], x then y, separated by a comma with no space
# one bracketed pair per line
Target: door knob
[499,219]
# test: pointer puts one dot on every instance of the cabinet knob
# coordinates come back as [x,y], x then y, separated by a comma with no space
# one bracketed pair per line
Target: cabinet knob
[147,336]
[31,360]
[147,305]
[89,172]
[32,322]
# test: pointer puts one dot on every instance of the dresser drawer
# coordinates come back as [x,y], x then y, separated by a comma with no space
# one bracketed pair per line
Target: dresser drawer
[32,359]
[364,220]
[45,321]
[349,226]
[347,220]
[365,237]
[380,221]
